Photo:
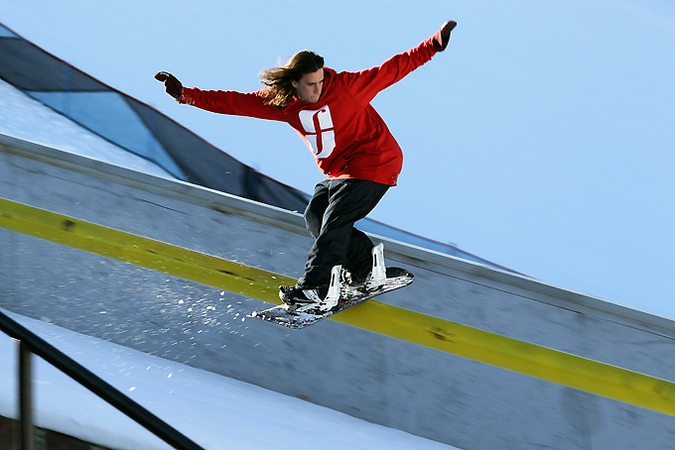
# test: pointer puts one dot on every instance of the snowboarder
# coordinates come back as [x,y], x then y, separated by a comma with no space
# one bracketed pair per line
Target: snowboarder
[351,144]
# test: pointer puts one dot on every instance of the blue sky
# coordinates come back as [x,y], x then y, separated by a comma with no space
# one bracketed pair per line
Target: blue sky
[542,139]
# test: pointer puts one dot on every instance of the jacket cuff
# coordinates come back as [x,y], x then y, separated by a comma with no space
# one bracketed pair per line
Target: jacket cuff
[184,96]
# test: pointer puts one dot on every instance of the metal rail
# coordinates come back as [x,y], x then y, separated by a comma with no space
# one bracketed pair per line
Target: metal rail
[30,343]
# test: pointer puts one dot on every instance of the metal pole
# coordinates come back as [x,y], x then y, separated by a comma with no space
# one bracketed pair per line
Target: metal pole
[27,438]
[31,343]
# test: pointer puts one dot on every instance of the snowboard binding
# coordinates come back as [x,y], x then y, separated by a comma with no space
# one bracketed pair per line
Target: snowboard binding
[310,300]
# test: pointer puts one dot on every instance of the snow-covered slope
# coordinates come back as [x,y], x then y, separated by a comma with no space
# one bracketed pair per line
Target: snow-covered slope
[214,411]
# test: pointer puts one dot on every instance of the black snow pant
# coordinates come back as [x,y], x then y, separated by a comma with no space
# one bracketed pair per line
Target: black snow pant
[330,216]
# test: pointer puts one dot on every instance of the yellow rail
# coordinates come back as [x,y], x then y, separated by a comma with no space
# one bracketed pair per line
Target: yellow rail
[489,348]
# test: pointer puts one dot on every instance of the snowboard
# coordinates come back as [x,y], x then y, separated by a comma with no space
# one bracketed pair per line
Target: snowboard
[286,315]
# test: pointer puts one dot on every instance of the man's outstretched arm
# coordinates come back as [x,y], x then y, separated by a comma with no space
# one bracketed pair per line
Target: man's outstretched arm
[367,83]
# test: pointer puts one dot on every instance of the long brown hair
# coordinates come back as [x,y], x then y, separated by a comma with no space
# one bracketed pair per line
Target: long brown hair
[279,80]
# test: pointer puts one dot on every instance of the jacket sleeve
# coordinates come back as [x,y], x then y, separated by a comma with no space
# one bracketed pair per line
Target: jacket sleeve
[231,102]
[366,84]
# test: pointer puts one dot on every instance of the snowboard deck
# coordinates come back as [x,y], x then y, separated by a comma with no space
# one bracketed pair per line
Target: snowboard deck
[286,316]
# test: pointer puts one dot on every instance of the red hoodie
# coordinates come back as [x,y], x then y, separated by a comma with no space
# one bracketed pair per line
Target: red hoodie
[347,136]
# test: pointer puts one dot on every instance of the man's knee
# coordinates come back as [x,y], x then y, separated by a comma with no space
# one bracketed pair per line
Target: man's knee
[313,222]
[315,211]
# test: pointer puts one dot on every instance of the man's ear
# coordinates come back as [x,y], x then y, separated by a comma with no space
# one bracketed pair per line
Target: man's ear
[294,84]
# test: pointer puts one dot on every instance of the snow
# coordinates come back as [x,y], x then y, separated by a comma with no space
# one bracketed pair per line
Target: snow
[214,411]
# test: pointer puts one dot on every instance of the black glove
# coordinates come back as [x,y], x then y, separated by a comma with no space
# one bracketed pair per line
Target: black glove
[442,36]
[173,87]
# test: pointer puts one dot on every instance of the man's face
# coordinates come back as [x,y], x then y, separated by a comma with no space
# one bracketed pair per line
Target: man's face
[310,86]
